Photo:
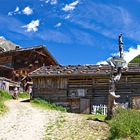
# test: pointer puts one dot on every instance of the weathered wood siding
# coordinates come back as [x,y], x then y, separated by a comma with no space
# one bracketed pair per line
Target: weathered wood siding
[6,60]
[128,87]
[100,90]
[52,89]
[68,91]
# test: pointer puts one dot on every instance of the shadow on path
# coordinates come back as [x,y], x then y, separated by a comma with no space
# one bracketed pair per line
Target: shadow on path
[25,100]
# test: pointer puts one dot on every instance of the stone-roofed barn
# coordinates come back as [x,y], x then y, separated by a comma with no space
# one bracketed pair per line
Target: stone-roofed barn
[81,86]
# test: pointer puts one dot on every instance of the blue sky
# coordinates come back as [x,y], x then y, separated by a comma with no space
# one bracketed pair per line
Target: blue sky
[74,31]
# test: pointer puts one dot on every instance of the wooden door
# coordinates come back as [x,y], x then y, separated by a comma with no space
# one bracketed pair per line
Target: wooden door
[84,106]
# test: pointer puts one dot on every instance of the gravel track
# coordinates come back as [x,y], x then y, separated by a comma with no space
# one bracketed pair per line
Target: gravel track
[23,122]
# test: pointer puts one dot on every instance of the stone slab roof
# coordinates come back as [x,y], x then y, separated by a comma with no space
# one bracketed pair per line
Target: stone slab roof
[79,70]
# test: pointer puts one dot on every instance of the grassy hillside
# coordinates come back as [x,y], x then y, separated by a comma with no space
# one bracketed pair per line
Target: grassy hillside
[3,96]
[136,59]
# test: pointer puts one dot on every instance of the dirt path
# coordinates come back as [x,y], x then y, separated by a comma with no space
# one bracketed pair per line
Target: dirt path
[23,122]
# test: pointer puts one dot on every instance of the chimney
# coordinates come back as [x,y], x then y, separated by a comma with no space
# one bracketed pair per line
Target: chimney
[17,47]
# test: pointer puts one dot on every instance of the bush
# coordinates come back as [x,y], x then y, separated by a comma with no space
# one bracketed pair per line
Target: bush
[48,105]
[125,123]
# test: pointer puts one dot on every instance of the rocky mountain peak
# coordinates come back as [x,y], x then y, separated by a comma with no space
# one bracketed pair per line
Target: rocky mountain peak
[6,45]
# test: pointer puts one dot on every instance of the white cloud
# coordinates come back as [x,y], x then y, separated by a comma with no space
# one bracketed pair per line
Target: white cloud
[32,26]
[52,2]
[103,14]
[2,37]
[68,16]
[58,24]
[127,55]
[71,6]
[131,53]
[16,11]
[46,1]
[9,13]
[102,62]
[27,10]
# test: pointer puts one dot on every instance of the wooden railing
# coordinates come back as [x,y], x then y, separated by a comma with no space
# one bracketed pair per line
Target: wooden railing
[99,109]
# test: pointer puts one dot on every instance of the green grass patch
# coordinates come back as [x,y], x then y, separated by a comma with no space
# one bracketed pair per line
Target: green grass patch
[136,60]
[125,124]
[47,105]
[3,96]
[23,95]
[3,108]
[94,116]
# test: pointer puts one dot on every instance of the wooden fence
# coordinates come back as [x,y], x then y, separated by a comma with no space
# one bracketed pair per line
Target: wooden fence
[99,109]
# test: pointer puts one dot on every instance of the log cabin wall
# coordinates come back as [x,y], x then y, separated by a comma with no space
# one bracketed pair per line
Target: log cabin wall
[6,72]
[68,91]
[53,89]
[6,60]
[100,90]
[71,90]
[128,87]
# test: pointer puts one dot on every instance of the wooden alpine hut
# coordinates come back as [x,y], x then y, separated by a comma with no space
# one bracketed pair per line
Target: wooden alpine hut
[80,87]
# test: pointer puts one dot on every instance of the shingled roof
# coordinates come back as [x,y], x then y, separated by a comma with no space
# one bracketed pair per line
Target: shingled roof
[79,70]
[34,48]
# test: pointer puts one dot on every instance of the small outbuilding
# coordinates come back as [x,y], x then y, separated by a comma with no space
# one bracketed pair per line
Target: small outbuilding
[8,85]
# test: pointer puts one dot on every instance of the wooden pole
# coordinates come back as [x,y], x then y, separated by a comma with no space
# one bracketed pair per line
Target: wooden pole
[112,85]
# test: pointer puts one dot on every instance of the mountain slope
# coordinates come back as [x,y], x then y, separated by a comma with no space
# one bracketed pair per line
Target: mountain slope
[6,45]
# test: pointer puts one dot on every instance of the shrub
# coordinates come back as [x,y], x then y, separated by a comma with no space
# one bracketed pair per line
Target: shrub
[48,105]
[125,123]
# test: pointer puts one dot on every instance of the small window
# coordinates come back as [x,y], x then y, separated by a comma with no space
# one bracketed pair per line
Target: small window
[81,92]
[77,92]
[72,93]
